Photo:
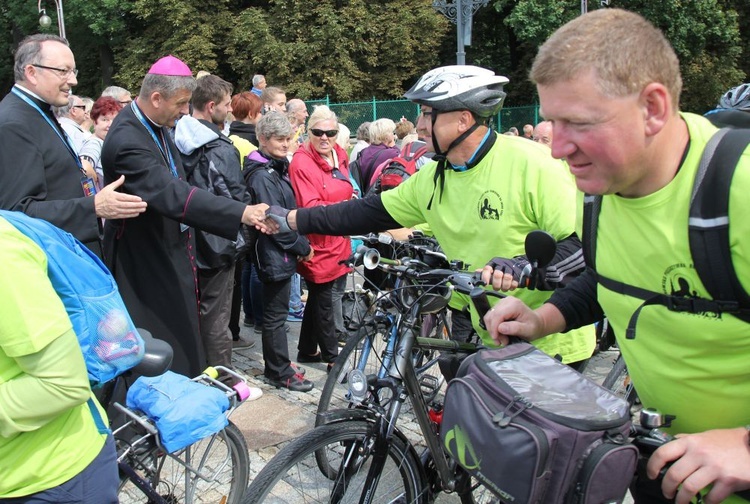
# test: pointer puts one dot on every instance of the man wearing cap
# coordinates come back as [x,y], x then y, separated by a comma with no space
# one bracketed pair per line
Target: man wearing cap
[153,256]
[39,167]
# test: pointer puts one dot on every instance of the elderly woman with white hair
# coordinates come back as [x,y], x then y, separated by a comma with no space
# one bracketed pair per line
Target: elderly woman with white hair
[267,179]
[320,176]
[382,147]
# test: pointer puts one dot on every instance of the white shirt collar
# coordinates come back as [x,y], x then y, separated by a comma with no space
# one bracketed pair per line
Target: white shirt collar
[27,91]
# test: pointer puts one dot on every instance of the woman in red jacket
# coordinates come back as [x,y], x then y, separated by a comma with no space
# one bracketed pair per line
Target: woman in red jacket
[320,176]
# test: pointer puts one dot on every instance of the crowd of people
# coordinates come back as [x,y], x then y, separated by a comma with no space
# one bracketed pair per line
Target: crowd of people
[211,207]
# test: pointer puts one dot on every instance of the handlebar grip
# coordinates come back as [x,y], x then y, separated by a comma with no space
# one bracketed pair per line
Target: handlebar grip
[479,298]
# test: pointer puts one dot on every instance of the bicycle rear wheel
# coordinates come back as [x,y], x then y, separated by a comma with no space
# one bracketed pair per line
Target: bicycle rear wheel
[221,461]
[478,494]
[364,351]
[293,475]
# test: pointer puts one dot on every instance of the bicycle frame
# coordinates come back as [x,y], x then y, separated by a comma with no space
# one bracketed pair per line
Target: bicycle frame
[403,381]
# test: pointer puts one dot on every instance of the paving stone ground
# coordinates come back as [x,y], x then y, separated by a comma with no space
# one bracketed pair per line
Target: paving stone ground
[281,415]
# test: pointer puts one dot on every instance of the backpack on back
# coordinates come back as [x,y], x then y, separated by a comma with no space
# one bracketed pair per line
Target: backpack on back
[708,233]
[108,338]
[392,172]
[355,169]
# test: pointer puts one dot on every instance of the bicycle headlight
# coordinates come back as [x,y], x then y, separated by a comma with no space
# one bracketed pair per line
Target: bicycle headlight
[357,385]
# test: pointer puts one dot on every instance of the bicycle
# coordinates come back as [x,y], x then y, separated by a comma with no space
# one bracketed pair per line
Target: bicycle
[372,346]
[213,469]
[362,446]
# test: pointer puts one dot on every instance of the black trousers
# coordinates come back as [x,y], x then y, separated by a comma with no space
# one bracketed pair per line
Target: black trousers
[275,347]
[318,328]
[234,317]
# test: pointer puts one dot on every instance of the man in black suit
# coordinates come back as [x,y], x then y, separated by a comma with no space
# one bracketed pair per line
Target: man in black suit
[40,172]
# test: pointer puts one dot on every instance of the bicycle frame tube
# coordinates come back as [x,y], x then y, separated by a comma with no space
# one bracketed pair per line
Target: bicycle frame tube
[419,407]
[390,347]
[403,371]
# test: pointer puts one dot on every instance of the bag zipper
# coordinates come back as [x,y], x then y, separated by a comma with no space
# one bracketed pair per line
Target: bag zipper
[582,425]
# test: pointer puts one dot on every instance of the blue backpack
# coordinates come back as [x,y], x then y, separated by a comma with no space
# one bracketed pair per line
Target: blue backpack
[109,341]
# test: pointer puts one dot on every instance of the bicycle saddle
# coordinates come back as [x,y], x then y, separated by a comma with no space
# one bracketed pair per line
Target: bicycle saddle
[157,358]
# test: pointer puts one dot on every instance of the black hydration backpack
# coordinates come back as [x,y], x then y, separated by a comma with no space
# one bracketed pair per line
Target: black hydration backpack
[708,235]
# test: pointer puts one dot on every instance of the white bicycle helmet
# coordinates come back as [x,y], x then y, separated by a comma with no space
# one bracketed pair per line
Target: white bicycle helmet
[737,98]
[460,87]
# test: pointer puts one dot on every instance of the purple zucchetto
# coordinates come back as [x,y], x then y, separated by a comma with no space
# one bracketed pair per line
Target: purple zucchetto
[169,65]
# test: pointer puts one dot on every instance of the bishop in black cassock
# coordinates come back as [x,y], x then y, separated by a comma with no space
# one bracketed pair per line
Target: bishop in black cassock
[153,256]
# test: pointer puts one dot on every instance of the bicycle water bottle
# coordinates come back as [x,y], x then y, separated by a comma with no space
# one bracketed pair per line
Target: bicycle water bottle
[435,412]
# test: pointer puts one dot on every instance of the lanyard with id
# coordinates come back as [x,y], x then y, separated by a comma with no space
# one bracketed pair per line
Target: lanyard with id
[164,149]
[87,183]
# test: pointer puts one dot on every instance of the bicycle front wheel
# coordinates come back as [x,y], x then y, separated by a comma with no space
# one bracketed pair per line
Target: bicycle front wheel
[214,469]
[293,475]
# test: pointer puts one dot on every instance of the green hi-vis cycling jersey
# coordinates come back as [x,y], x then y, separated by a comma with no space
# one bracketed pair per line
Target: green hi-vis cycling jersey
[694,366]
[487,212]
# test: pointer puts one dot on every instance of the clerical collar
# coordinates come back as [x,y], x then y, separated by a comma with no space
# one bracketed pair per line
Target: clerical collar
[153,123]
[30,93]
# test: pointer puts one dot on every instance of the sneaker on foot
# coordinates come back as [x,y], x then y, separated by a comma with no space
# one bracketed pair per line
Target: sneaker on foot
[247,322]
[242,344]
[296,316]
[296,383]
[298,369]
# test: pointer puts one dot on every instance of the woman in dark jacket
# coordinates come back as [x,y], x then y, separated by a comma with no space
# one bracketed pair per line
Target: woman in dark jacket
[267,179]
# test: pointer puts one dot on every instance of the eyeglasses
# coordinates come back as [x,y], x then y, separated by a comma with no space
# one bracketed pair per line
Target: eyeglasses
[82,107]
[125,103]
[64,73]
[328,133]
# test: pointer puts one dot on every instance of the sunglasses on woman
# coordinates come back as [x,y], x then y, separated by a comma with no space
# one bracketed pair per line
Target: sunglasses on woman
[328,133]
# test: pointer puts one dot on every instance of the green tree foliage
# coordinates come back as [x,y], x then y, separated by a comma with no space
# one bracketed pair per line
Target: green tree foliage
[355,49]
[704,33]
[707,41]
[348,49]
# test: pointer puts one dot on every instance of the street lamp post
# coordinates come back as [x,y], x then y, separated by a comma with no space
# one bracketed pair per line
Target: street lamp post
[45,21]
[461,13]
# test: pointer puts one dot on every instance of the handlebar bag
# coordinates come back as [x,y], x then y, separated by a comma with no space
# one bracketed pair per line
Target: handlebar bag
[534,430]
[184,411]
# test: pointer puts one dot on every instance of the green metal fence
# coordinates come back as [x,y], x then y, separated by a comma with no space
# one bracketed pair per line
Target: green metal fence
[355,113]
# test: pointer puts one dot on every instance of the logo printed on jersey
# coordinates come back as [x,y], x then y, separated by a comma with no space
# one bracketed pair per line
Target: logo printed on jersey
[677,281]
[490,206]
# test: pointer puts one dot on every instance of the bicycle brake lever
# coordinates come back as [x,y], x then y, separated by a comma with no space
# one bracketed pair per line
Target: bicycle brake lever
[479,298]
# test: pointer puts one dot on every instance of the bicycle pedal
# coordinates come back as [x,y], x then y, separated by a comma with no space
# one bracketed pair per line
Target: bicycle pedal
[429,383]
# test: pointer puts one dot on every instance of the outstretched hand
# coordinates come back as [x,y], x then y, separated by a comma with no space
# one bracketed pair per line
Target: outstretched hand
[112,204]
[720,458]
[279,215]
